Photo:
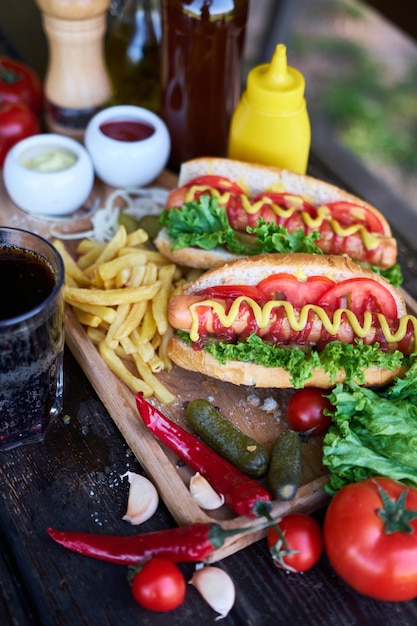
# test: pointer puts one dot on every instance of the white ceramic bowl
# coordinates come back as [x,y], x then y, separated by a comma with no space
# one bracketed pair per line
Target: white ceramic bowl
[121,163]
[49,193]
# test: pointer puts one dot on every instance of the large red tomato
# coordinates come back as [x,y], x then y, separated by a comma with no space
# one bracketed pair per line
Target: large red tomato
[19,83]
[370,536]
[17,122]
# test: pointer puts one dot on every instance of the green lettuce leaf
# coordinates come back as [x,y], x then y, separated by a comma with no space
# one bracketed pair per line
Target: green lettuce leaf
[201,223]
[393,274]
[299,362]
[374,433]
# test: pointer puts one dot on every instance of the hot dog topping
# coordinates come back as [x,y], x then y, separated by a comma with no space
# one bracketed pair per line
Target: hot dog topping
[312,217]
[299,320]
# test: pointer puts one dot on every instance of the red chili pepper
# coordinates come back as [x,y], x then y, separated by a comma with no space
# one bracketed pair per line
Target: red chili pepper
[242,494]
[191,543]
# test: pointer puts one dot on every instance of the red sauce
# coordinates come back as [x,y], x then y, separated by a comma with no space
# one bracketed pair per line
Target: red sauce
[202,46]
[127,130]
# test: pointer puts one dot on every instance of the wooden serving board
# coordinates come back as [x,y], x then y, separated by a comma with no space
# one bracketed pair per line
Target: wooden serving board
[259,413]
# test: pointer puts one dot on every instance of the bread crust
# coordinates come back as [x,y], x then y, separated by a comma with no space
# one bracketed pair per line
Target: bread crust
[254,179]
[253,375]
[192,257]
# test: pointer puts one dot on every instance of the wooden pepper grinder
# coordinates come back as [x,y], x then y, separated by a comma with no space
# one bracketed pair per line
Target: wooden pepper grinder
[77,84]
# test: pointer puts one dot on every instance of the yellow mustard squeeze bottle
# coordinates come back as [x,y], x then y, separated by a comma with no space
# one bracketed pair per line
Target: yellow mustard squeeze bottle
[270,124]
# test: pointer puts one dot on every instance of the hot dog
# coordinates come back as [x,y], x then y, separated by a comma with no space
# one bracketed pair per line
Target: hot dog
[292,320]
[205,233]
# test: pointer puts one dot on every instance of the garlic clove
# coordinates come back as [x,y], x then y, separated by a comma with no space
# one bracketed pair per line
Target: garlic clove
[204,494]
[142,501]
[216,587]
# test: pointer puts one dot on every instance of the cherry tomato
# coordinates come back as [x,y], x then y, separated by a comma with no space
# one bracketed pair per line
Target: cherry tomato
[305,411]
[159,585]
[303,538]
[17,122]
[288,287]
[347,213]
[375,559]
[19,83]
[360,295]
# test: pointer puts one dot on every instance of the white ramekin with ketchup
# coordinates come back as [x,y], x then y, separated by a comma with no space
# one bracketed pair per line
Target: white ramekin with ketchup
[129,145]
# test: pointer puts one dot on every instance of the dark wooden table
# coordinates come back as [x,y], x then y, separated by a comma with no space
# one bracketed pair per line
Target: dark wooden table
[73,481]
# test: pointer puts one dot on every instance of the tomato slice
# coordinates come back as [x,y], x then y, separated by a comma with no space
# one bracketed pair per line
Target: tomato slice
[360,295]
[288,287]
[217,182]
[234,291]
[348,213]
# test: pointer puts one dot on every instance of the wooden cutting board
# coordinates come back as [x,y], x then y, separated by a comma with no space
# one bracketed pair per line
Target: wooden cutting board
[259,413]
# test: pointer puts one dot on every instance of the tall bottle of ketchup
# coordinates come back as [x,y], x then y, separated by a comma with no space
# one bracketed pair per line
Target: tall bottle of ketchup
[202,48]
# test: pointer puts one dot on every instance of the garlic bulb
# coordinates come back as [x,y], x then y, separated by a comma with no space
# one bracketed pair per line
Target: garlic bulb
[216,587]
[204,494]
[142,501]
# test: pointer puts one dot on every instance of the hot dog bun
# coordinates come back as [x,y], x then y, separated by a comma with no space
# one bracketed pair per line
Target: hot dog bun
[250,271]
[255,179]
[253,375]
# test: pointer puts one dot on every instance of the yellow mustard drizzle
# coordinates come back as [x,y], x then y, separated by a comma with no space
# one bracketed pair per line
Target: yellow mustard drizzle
[262,317]
[369,240]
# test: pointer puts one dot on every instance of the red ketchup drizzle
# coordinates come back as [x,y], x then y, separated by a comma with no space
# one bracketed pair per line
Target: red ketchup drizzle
[127,130]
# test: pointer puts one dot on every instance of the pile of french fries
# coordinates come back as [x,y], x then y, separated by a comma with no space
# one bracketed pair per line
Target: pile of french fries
[119,290]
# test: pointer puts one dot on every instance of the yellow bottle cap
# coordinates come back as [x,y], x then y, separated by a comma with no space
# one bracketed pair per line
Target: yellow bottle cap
[275,87]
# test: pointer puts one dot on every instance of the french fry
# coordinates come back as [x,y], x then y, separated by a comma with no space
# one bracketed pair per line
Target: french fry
[88,319]
[122,311]
[160,302]
[137,275]
[163,349]
[122,278]
[105,313]
[136,238]
[148,326]
[132,321]
[119,291]
[87,245]
[156,364]
[89,256]
[151,274]
[96,335]
[117,366]
[71,267]
[111,268]
[161,392]
[128,346]
[111,297]
[146,351]
[109,251]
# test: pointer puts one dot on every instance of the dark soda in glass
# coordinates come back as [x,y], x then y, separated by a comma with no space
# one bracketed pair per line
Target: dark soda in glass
[31,336]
